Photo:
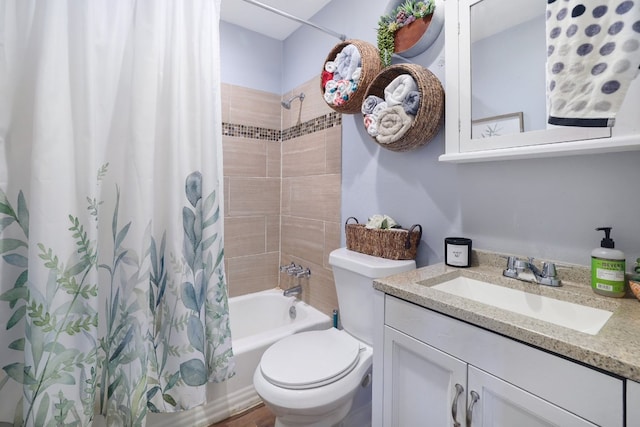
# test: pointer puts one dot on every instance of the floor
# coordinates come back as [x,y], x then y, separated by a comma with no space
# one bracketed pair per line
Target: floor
[260,416]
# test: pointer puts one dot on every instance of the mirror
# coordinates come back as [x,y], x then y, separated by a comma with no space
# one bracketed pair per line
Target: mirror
[495,52]
[508,54]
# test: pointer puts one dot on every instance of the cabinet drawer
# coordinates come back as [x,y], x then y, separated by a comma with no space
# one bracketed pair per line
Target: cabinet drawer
[591,394]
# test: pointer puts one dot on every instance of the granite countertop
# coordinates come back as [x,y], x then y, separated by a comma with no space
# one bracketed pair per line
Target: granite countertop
[615,348]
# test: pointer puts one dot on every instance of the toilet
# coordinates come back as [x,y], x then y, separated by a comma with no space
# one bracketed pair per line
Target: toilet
[323,378]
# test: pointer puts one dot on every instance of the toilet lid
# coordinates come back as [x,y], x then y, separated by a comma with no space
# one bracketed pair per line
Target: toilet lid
[310,359]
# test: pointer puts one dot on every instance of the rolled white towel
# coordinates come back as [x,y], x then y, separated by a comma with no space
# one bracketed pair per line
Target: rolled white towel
[357,74]
[330,91]
[347,61]
[398,89]
[371,125]
[330,66]
[379,109]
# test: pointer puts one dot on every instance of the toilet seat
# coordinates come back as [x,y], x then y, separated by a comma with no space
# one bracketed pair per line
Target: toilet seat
[322,357]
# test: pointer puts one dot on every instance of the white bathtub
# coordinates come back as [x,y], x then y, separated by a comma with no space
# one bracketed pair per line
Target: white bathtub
[257,321]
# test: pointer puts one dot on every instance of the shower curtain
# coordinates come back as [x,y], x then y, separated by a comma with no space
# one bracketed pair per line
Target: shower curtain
[112,290]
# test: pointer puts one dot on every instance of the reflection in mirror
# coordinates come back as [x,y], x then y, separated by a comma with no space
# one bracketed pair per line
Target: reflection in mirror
[508,56]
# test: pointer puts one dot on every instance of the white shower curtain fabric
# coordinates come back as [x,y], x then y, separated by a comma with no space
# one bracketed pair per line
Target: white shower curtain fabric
[112,290]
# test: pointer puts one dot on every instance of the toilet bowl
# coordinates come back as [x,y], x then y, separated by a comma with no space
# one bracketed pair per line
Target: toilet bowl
[312,378]
[314,387]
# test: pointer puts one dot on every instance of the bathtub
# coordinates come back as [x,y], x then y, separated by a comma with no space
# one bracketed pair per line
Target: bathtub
[257,321]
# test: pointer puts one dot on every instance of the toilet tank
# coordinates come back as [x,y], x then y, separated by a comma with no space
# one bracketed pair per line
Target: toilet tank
[354,273]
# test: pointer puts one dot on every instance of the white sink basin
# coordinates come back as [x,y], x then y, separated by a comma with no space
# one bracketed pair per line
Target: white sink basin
[570,315]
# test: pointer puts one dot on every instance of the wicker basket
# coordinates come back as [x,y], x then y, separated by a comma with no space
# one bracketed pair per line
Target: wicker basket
[371,66]
[395,243]
[429,118]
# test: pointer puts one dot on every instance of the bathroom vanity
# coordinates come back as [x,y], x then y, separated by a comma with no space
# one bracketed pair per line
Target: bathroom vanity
[442,359]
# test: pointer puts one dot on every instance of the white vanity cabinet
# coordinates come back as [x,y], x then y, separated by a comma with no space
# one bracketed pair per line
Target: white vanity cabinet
[633,403]
[428,357]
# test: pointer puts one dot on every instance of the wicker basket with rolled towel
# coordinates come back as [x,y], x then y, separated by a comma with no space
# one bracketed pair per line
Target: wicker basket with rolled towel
[428,104]
[353,64]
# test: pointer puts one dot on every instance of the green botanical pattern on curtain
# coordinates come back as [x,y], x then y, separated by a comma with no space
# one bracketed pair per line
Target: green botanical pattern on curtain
[136,361]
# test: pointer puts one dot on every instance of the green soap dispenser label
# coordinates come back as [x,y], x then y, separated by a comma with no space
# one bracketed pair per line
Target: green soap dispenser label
[607,275]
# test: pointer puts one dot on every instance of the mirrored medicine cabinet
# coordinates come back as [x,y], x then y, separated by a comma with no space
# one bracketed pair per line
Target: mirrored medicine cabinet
[496,102]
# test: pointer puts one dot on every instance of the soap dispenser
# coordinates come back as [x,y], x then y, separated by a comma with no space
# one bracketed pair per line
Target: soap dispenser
[607,267]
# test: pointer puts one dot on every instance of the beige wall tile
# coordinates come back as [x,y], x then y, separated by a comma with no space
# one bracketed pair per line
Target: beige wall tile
[225,93]
[244,157]
[304,155]
[285,206]
[251,196]
[252,273]
[254,108]
[245,236]
[225,183]
[332,233]
[316,197]
[282,200]
[274,161]
[302,238]
[273,233]
[333,141]
[322,293]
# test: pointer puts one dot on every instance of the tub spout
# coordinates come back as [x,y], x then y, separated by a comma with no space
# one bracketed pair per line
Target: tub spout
[294,290]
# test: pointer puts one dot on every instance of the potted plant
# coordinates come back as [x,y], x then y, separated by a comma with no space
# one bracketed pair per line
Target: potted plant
[399,21]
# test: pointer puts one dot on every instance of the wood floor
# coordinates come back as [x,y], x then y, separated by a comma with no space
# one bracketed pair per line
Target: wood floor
[260,416]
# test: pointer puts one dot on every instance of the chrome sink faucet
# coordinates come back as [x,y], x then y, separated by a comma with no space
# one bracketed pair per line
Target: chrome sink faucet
[298,272]
[548,276]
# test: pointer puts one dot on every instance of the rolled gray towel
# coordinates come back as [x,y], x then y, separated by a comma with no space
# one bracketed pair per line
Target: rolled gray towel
[411,102]
[370,103]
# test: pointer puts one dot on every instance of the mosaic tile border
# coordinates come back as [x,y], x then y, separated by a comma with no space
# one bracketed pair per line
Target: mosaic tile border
[317,124]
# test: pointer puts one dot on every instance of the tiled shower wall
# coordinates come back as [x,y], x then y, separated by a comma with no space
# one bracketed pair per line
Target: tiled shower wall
[282,175]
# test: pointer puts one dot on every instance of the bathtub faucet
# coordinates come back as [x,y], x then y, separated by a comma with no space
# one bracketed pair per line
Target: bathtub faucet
[294,270]
[294,290]
[297,271]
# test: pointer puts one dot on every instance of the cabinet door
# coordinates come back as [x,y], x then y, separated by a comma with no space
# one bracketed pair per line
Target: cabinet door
[502,404]
[422,386]
[633,403]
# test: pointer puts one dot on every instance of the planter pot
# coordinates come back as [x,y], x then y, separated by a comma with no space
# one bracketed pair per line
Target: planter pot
[407,37]
[427,35]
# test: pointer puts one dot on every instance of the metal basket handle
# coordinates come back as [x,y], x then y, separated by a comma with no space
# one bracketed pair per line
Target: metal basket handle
[407,243]
[353,218]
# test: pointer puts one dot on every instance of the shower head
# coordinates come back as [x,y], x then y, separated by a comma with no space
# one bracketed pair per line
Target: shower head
[287,104]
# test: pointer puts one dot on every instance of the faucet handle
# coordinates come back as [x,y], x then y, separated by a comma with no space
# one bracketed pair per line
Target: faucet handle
[549,269]
[511,270]
[287,268]
[516,265]
[304,272]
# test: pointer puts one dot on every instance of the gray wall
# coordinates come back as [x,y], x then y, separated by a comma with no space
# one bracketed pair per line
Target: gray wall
[545,208]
